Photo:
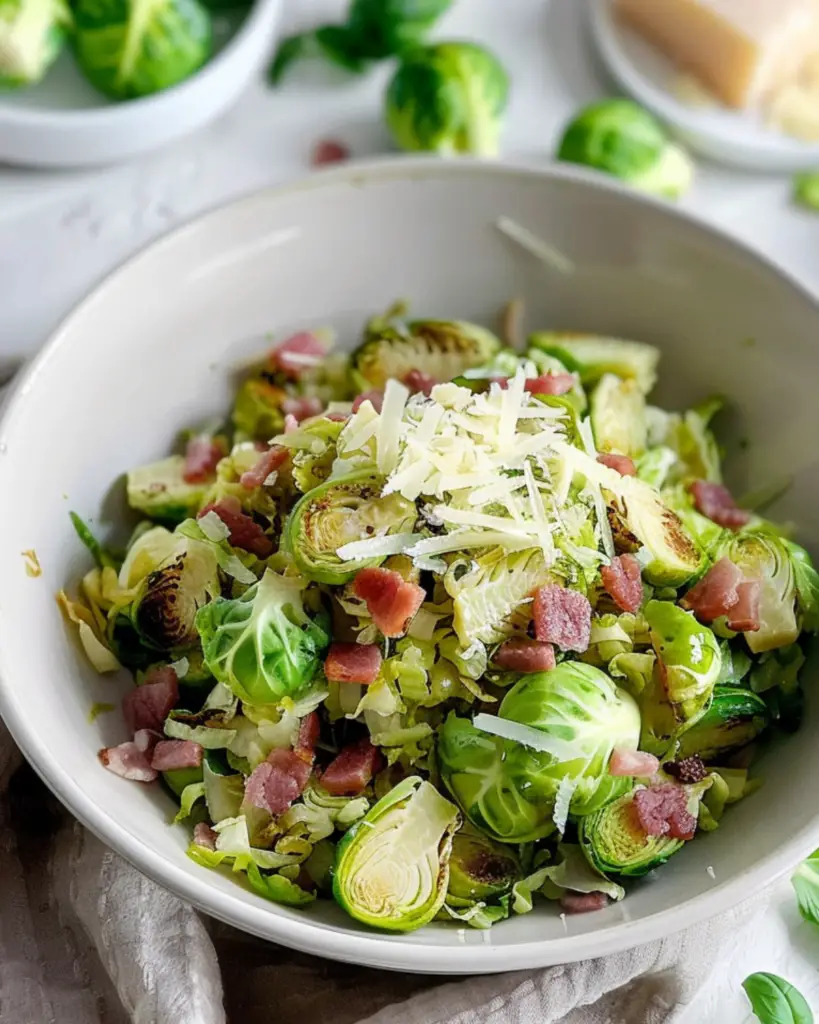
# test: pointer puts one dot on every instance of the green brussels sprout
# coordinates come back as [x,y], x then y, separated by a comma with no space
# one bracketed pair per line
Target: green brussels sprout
[806,579]
[131,48]
[480,869]
[592,356]
[688,656]
[763,555]
[384,28]
[165,607]
[32,33]
[736,716]
[618,416]
[392,867]
[548,756]
[691,439]
[673,557]
[264,645]
[442,349]
[620,138]
[614,843]
[806,190]
[448,98]
[160,491]
[339,512]
[314,450]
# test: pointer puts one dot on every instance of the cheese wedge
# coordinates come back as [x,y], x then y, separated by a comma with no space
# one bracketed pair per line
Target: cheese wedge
[742,50]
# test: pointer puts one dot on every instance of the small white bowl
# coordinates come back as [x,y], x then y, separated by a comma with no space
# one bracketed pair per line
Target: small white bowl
[64,122]
[151,351]
[739,139]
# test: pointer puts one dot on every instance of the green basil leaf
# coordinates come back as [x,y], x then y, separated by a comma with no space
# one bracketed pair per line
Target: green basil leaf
[805,881]
[776,1001]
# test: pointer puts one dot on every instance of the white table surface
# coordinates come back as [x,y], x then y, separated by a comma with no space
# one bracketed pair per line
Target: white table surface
[61,233]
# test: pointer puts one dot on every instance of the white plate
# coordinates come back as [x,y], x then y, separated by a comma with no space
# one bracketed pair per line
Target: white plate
[731,137]
[151,351]
[64,122]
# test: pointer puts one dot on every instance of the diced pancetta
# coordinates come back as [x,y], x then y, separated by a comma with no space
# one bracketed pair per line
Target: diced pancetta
[562,617]
[277,782]
[633,763]
[622,464]
[350,773]
[583,902]
[374,397]
[391,600]
[663,811]
[245,532]
[744,616]
[550,384]
[128,761]
[297,354]
[716,593]
[147,706]
[329,151]
[268,463]
[201,458]
[419,382]
[353,663]
[171,755]
[717,503]
[623,582]
[521,654]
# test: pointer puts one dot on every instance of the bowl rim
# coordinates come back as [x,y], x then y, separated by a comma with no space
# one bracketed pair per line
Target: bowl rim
[112,114]
[305,934]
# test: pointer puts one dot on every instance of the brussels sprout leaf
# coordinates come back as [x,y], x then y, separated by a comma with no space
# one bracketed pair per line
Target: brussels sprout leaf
[100,555]
[806,190]
[805,881]
[776,1001]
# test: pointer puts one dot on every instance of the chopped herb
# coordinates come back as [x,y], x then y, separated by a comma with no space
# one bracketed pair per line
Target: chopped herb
[100,708]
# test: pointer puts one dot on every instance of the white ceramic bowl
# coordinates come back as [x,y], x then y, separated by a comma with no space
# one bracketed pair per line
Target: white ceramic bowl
[736,138]
[150,352]
[65,122]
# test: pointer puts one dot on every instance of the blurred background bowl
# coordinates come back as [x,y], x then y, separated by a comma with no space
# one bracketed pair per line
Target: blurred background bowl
[64,122]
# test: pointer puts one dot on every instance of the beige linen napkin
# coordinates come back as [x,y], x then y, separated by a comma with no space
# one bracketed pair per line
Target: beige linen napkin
[86,939]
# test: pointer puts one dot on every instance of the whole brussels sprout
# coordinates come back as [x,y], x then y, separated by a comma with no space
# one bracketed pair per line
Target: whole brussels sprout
[620,138]
[32,33]
[131,48]
[383,28]
[448,98]
[392,868]
[340,512]
[440,349]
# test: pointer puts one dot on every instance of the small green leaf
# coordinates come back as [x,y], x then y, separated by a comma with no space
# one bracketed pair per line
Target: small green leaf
[100,555]
[277,888]
[290,50]
[776,1001]
[341,46]
[805,881]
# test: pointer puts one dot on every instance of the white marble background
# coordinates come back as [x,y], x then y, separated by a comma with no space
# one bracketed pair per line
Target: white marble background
[62,233]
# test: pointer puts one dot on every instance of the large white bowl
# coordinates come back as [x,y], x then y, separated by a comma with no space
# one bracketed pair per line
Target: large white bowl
[151,351]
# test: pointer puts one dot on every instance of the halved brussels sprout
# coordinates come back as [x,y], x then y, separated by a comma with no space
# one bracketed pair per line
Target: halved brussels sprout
[164,609]
[439,348]
[32,33]
[763,555]
[592,356]
[161,492]
[480,869]
[736,717]
[688,658]
[128,50]
[336,513]
[673,556]
[614,843]
[146,553]
[618,416]
[489,595]
[392,867]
